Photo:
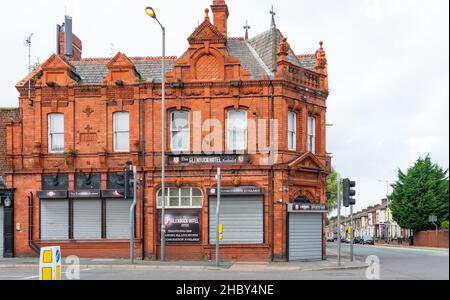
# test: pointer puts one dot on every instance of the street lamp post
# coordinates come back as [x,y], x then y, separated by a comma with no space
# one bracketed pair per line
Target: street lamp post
[151,13]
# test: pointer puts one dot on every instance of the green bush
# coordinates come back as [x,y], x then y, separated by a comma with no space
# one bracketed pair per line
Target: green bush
[444,225]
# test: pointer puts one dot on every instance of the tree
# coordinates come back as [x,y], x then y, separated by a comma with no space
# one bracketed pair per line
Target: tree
[332,189]
[421,192]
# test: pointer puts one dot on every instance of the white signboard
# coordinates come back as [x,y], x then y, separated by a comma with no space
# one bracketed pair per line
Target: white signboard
[50,263]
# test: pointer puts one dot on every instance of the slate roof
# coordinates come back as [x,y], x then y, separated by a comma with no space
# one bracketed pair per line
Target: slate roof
[92,71]
[266,45]
[307,61]
[258,56]
[250,60]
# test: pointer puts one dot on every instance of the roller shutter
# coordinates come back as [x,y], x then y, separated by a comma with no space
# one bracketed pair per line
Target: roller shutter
[2,239]
[87,219]
[305,236]
[242,218]
[118,219]
[54,219]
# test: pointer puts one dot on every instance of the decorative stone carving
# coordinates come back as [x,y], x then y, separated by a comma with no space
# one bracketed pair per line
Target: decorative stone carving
[88,111]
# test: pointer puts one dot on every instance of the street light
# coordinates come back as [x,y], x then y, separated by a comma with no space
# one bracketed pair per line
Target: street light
[151,13]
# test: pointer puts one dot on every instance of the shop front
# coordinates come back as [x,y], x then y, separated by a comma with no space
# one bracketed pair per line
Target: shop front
[86,218]
[305,231]
[183,221]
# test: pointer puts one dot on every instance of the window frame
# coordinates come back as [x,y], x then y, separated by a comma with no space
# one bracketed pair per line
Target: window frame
[228,129]
[292,132]
[172,112]
[311,137]
[115,132]
[179,196]
[51,133]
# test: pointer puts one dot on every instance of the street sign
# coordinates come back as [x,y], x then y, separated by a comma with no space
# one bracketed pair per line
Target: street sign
[432,219]
[50,263]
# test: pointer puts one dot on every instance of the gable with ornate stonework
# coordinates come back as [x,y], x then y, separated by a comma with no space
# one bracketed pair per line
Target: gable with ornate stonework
[57,71]
[307,161]
[121,68]
[206,32]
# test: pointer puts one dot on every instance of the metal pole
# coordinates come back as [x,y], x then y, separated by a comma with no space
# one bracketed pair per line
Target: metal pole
[132,215]
[219,186]
[163,147]
[351,233]
[339,217]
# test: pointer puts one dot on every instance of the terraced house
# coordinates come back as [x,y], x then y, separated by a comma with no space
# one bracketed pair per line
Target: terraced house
[84,118]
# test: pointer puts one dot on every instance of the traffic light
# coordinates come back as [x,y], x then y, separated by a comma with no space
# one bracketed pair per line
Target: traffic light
[349,192]
[128,184]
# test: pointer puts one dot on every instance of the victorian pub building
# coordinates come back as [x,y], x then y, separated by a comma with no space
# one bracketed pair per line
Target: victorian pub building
[82,119]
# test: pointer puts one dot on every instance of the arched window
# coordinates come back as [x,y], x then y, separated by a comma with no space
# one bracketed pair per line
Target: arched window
[121,128]
[237,130]
[179,130]
[181,198]
[56,133]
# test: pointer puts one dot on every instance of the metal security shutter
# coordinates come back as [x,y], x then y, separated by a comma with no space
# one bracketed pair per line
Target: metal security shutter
[118,219]
[305,236]
[87,219]
[2,240]
[242,218]
[54,219]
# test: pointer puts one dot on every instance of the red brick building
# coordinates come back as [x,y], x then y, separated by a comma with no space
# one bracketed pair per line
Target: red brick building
[88,116]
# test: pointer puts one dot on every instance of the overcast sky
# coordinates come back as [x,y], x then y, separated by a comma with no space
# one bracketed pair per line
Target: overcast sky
[388,64]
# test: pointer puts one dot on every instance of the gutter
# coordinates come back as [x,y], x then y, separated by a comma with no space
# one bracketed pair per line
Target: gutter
[272,176]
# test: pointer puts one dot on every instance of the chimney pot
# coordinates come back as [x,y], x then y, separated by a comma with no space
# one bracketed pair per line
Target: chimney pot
[220,13]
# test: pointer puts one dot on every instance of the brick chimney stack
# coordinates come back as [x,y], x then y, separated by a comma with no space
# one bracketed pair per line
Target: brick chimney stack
[67,43]
[220,13]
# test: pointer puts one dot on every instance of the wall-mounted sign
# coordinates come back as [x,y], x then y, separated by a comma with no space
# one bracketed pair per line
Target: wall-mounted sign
[113,193]
[221,159]
[241,190]
[182,226]
[84,194]
[306,207]
[88,181]
[52,194]
[55,182]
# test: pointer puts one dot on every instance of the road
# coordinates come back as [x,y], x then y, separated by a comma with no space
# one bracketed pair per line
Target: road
[396,263]
[403,263]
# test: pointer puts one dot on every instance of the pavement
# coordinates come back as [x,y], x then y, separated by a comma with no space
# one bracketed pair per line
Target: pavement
[394,263]
[122,264]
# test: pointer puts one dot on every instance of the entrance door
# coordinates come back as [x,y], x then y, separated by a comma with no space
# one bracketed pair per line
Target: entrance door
[305,236]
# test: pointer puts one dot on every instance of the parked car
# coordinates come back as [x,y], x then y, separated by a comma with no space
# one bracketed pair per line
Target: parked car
[331,239]
[367,240]
[357,240]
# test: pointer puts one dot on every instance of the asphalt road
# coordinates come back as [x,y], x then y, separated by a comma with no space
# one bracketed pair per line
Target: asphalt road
[409,264]
[403,263]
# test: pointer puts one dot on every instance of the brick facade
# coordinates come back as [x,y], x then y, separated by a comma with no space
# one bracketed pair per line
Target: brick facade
[217,74]
[7,117]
